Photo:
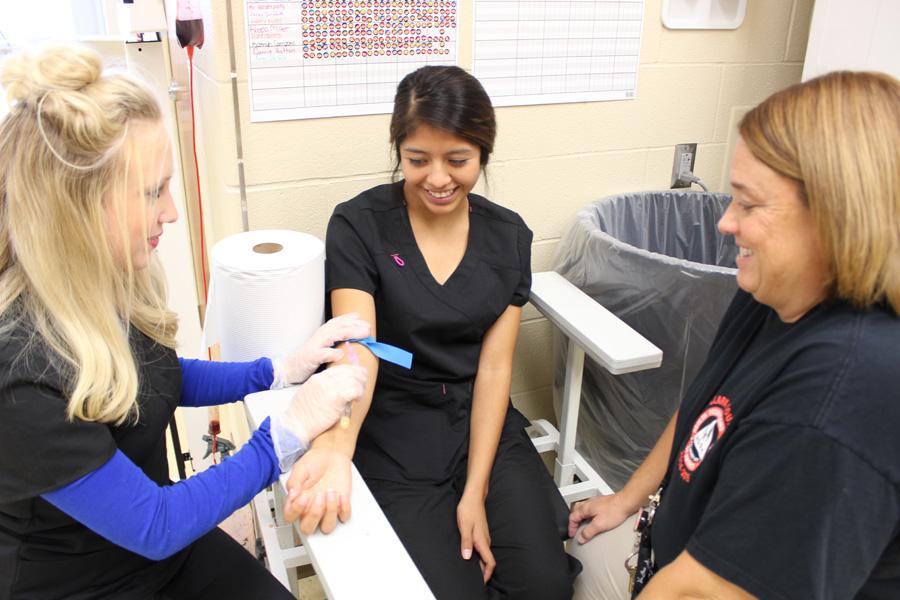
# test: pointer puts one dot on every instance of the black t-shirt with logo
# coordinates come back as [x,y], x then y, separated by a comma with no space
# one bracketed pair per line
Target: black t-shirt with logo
[785,470]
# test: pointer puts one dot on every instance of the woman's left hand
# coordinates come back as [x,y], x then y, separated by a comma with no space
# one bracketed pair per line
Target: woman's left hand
[471,519]
[319,490]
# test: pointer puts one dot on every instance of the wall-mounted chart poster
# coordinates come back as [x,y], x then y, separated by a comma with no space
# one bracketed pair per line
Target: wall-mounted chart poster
[551,51]
[326,58]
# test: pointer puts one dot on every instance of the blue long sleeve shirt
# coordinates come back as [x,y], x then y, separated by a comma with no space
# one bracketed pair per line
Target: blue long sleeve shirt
[119,502]
[205,383]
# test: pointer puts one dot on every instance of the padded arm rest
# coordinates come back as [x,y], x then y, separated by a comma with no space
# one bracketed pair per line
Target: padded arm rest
[605,338]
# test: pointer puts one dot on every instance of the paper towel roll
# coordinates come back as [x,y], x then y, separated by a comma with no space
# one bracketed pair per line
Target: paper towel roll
[266,293]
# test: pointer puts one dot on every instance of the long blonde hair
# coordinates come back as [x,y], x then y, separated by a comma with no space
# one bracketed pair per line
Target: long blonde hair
[65,155]
[839,136]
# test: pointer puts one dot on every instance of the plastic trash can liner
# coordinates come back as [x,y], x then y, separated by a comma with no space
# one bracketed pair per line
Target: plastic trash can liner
[657,261]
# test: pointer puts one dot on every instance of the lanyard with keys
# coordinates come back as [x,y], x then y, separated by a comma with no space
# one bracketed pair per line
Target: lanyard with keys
[639,563]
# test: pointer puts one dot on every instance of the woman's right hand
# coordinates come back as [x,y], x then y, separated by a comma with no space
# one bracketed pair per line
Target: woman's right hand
[319,349]
[321,401]
[319,490]
[604,513]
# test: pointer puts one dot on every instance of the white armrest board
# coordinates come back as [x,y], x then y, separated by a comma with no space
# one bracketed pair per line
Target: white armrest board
[362,558]
[605,338]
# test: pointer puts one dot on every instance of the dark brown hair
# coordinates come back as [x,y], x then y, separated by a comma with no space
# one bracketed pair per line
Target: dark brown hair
[448,98]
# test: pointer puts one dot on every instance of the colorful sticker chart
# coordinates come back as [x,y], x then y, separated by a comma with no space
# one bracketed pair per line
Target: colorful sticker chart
[553,51]
[326,58]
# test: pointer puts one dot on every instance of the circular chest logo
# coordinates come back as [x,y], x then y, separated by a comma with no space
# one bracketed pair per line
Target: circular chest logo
[708,428]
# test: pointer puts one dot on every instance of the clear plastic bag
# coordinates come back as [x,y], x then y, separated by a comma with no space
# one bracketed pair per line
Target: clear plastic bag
[657,261]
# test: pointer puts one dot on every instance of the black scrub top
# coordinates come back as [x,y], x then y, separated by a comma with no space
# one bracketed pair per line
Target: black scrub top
[417,428]
[44,553]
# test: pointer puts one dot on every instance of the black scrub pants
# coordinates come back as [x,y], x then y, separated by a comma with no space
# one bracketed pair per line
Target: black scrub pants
[218,568]
[527,518]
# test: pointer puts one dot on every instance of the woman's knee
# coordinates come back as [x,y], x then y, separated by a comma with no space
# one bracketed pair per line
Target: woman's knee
[553,584]
[540,578]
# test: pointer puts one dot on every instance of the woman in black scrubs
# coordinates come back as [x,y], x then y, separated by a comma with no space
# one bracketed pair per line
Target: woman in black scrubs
[89,377]
[443,273]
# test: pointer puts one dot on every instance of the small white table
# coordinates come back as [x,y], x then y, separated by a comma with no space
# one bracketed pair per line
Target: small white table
[362,558]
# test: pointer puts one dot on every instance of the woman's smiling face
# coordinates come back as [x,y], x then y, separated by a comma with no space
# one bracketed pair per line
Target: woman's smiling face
[439,169]
[780,260]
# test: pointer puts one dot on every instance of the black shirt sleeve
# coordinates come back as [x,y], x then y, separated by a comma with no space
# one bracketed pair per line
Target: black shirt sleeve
[795,514]
[348,261]
[523,242]
[39,449]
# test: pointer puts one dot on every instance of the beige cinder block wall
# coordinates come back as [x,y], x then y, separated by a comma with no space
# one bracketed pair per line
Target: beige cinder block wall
[549,161]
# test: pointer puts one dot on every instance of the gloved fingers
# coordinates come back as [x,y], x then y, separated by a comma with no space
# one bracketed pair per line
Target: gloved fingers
[314,358]
[320,402]
[347,382]
[329,355]
[316,350]
[319,348]
[361,377]
[344,327]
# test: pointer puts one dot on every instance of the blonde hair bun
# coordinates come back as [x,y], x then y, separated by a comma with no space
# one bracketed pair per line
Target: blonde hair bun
[81,111]
[28,77]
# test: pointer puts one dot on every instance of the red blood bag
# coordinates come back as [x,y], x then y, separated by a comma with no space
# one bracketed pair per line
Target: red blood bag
[189,23]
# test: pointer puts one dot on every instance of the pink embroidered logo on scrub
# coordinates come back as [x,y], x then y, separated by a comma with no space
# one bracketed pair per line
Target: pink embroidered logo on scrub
[400,262]
[707,429]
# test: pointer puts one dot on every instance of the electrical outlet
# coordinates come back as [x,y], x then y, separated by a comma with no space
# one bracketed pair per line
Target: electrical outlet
[685,154]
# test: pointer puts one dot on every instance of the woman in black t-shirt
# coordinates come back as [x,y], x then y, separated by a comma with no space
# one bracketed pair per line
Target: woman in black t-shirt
[442,272]
[780,473]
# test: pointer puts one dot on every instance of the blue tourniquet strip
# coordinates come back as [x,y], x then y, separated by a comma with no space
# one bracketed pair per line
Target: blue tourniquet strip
[392,354]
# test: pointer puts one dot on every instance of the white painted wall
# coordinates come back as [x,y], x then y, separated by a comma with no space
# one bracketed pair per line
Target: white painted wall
[863,35]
